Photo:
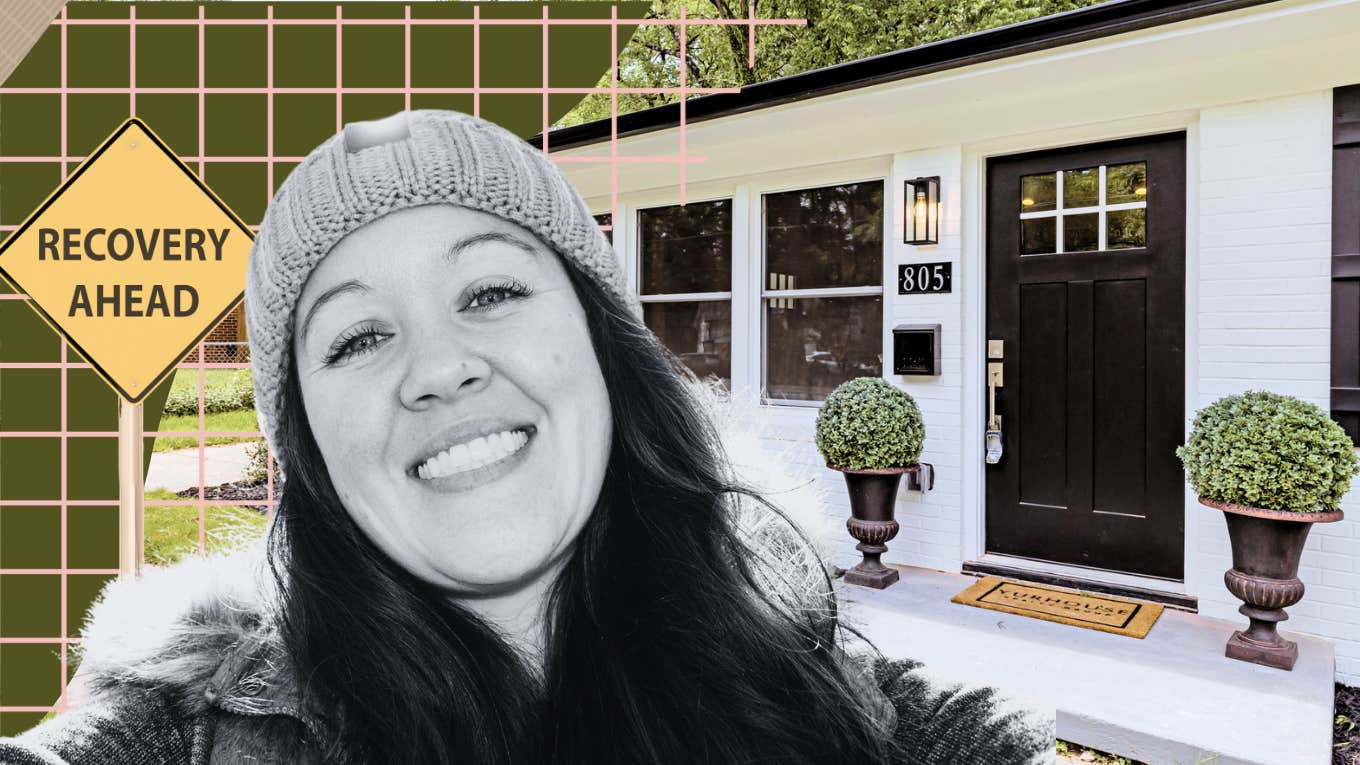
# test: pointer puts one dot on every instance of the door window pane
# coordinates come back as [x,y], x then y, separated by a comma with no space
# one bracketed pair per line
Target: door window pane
[1081,188]
[824,237]
[686,248]
[699,332]
[815,344]
[1100,229]
[1081,233]
[1126,228]
[1038,193]
[1126,183]
[1038,236]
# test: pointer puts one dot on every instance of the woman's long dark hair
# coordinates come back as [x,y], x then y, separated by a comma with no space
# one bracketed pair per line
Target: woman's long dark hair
[663,646]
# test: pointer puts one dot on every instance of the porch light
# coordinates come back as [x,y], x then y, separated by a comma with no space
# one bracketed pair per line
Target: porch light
[921,216]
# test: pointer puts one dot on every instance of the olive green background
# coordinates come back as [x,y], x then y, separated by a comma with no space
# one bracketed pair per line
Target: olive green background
[234,56]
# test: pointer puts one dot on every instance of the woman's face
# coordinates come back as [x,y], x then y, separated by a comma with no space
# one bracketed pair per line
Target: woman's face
[449,378]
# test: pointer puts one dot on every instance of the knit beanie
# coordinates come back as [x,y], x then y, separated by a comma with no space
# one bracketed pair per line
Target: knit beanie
[370,169]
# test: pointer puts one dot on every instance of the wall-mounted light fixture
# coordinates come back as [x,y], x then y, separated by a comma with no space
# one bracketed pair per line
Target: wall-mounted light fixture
[921,218]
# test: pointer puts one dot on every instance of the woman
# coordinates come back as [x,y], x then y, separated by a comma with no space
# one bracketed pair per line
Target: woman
[507,533]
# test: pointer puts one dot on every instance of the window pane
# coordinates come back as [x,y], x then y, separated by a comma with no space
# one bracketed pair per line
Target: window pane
[1126,183]
[1038,236]
[607,219]
[815,344]
[1081,232]
[825,237]
[1081,188]
[686,249]
[1125,228]
[1038,193]
[699,332]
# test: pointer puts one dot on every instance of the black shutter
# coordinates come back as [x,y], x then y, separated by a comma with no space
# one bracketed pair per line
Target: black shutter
[1346,259]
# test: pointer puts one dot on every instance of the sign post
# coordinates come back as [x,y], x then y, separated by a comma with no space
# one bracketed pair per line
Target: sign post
[131,537]
[134,261]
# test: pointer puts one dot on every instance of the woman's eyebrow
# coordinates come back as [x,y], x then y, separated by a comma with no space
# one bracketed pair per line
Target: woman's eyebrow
[349,285]
[462,245]
[450,256]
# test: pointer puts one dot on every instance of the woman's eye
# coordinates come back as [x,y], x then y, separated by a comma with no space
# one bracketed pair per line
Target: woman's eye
[489,296]
[356,344]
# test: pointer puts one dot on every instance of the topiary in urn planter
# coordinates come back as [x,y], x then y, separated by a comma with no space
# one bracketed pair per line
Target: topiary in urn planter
[871,431]
[1274,465]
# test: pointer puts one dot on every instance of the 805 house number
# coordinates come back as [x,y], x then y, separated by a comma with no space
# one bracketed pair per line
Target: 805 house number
[924,278]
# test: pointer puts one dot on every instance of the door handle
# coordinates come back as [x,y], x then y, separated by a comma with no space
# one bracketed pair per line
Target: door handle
[994,443]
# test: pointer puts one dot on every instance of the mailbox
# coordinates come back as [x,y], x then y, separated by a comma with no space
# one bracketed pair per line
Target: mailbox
[916,349]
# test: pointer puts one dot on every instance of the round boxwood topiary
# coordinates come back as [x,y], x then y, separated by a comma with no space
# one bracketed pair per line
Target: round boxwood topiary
[1270,451]
[869,423]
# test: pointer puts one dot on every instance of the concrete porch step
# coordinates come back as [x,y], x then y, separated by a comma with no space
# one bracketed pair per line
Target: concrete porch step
[1171,698]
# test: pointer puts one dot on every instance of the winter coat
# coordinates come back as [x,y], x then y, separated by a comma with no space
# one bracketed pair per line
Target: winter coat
[185,664]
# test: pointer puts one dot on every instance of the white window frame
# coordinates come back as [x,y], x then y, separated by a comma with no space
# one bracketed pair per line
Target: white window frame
[1100,208]
[762,292]
[748,259]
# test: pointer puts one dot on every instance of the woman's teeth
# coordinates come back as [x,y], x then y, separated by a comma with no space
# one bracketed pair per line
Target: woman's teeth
[473,454]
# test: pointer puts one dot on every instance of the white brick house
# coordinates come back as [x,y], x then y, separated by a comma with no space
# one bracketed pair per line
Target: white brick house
[1255,96]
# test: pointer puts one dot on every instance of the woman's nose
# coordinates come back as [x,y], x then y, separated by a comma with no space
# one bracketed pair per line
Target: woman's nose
[442,367]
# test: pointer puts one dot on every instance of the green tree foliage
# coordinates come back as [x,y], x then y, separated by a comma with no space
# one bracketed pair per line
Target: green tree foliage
[716,56]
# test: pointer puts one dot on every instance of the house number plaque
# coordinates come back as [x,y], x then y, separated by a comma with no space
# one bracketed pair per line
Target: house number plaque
[925,278]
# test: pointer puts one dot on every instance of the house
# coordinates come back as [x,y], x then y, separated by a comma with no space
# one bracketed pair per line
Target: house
[1142,206]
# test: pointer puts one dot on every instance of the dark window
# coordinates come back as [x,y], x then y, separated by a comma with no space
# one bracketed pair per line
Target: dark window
[606,219]
[827,238]
[685,255]
[686,249]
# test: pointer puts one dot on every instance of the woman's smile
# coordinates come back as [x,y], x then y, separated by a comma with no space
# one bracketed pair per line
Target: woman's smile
[486,459]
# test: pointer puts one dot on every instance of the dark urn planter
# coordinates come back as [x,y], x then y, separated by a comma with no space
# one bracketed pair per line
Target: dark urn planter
[873,495]
[1266,547]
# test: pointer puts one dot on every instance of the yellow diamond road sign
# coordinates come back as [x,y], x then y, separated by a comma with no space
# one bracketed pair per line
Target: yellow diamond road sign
[133,259]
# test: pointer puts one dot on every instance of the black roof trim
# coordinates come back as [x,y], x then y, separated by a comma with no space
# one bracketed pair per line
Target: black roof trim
[1103,20]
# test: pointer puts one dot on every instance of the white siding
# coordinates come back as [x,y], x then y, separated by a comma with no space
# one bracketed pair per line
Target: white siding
[932,522]
[1264,295]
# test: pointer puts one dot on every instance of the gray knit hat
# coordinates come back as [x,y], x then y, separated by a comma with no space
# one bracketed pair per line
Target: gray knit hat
[370,169]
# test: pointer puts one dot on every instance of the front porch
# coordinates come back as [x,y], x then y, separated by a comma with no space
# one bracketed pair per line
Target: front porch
[1169,698]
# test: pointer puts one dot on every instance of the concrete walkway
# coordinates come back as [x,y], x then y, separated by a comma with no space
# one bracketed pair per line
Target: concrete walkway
[1171,698]
[178,470]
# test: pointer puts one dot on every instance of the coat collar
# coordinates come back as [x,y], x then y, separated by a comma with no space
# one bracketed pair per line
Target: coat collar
[257,678]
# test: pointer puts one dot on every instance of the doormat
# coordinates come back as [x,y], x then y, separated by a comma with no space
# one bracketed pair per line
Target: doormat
[1080,609]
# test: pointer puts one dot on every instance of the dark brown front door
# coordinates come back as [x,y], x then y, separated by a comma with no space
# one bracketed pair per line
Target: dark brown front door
[1086,291]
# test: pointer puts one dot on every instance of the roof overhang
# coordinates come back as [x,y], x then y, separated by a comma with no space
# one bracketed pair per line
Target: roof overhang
[1093,22]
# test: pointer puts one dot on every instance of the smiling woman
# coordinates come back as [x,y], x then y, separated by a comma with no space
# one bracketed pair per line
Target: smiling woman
[508,531]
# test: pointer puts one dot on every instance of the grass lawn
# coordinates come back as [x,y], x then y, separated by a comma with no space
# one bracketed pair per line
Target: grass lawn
[186,380]
[172,532]
[241,419]
[186,385]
